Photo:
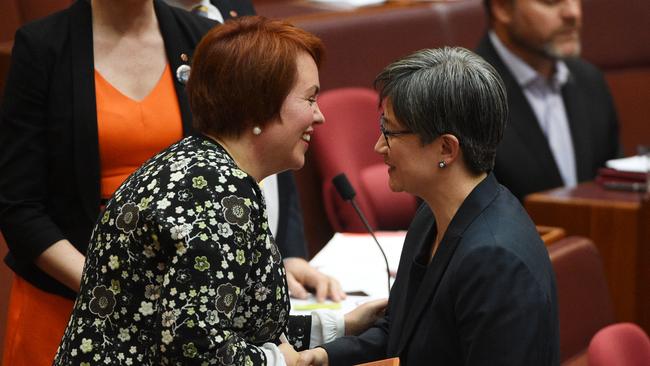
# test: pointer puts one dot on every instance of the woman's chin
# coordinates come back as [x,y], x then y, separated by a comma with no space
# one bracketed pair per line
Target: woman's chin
[394,186]
[297,163]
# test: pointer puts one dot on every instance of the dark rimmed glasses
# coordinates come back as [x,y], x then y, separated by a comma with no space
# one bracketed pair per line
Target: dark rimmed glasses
[388,133]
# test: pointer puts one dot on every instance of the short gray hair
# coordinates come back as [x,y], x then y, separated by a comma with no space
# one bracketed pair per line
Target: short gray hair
[449,90]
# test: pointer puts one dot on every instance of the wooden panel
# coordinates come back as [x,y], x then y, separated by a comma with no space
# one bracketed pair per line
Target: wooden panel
[613,220]
[631,95]
[550,234]
[386,362]
[643,263]
[11,19]
[5,60]
[6,277]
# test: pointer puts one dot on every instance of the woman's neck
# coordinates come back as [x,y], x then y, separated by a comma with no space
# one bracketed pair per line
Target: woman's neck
[448,196]
[241,151]
[124,16]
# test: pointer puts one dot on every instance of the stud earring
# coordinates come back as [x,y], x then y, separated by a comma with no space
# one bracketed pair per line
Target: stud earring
[442,164]
[257,130]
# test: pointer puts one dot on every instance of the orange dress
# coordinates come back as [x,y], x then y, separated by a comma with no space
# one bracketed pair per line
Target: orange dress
[129,132]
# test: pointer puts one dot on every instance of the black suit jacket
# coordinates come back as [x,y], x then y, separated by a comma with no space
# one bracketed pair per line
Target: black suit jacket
[488,297]
[49,157]
[524,161]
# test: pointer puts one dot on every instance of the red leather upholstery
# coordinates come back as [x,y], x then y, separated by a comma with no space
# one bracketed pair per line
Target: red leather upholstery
[621,344]
[345,145]
[360,44]
[583,298]
[616,38]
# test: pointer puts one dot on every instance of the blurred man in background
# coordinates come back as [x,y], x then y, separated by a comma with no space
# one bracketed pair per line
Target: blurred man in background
[563,125]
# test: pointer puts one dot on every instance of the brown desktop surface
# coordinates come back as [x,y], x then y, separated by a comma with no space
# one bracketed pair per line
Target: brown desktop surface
[619,224]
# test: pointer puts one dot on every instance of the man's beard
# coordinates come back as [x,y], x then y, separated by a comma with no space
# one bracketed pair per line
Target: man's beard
[555,52]
[549,50]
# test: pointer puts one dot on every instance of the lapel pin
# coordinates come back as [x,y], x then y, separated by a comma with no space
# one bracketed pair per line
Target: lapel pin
[184,57]
[183,74]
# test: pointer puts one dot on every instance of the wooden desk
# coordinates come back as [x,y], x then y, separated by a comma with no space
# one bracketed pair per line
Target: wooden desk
[619,225]
[5,60]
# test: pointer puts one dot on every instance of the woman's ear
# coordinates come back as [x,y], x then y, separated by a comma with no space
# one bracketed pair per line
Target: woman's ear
[450,148]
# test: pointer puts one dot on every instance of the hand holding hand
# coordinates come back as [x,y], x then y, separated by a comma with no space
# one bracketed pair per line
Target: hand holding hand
[316,356]
[365,315]
[290,354]
[301,274]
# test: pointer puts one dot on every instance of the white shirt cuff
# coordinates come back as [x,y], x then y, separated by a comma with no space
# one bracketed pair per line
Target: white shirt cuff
[326,326]
[273,355]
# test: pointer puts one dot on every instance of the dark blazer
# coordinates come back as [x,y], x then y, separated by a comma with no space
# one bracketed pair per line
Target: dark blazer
[488,296]
[524,161]
[234,8]
[49,157]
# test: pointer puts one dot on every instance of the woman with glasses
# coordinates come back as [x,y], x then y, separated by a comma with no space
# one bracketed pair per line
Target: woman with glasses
[475,285]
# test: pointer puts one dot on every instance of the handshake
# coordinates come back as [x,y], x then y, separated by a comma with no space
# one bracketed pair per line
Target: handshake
[356,322]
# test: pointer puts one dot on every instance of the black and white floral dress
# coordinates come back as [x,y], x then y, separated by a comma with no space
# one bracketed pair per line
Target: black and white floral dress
[182,269]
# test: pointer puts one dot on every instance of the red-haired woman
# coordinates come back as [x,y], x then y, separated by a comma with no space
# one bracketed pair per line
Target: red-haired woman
[182,267]
[93,92]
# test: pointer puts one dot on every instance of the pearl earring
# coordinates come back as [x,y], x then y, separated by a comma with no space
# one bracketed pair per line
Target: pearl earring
[257,130]
[442,164]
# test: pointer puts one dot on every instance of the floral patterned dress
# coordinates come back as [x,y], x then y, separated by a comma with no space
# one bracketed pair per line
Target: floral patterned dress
[182,269]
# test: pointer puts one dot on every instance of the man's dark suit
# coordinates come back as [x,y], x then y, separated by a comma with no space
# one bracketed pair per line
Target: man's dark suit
[488,296]
[49,155]
[524,161]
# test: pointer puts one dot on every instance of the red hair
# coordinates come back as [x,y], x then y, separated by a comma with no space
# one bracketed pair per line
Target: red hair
[242,72]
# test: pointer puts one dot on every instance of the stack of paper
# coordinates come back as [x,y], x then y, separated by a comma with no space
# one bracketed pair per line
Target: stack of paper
[632,164]
[356,262]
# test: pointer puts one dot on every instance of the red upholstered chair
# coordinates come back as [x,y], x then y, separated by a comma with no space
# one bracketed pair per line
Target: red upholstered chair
[345,144]
[583,298]
[621,344]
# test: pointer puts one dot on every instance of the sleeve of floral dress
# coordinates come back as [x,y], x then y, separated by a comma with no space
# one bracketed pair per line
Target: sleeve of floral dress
[212,228]
[299,331]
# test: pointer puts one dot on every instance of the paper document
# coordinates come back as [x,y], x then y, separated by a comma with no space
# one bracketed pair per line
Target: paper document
[305,307]
[357,263]
[635,164]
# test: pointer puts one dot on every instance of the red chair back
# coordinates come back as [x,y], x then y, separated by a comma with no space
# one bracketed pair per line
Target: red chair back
[345,144]
[622,344]
[583,298]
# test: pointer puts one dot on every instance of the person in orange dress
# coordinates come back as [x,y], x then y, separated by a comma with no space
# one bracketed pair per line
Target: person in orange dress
[91,94]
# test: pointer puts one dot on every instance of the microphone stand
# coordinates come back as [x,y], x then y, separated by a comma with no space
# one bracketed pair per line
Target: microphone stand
[372,233]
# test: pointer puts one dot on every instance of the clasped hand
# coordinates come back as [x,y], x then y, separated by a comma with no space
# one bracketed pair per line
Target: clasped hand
[356,321]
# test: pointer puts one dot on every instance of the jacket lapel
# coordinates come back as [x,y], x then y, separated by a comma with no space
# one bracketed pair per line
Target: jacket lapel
[231,9]
[84,108]
[435,270]
[522,120]
[421,233]
[471,208]
[179,47]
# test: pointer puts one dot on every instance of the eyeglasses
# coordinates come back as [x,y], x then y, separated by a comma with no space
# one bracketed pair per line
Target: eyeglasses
[388,133]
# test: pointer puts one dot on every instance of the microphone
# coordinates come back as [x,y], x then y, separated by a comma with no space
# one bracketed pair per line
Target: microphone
[345,190]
